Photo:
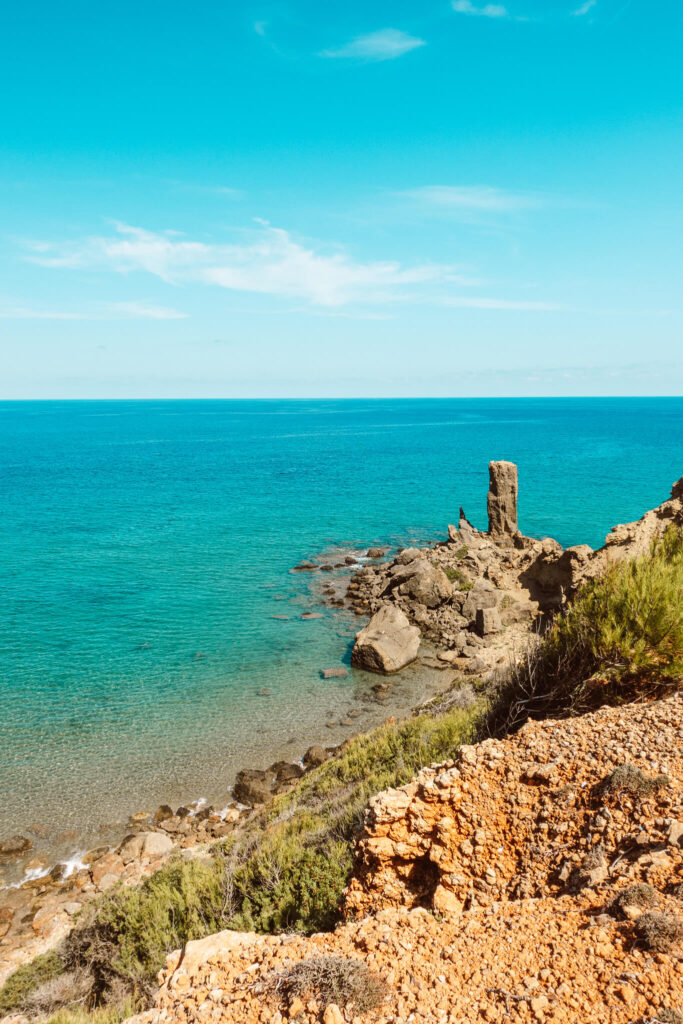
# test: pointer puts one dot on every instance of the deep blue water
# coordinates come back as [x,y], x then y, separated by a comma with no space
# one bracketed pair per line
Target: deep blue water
[137,535]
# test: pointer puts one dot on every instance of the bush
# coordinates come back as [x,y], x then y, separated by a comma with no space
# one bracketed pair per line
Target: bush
[660,932]
[626,778]
[26,979]
[285,870]
[333,979]
[639,895]
[65,989]
[621,639]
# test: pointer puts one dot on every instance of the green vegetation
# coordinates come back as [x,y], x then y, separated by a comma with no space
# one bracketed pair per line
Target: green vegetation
[621,640]
[332,979]
[284,871]
[458,578]
[26,979]
[100,1015]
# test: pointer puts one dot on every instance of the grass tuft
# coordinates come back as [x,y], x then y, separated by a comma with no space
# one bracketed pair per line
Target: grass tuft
[659,932]
[626,778]
[332,979]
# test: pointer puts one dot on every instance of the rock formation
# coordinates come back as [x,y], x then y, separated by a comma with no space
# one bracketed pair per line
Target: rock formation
[501,500]
[535,876]
[388,643]
[470,833]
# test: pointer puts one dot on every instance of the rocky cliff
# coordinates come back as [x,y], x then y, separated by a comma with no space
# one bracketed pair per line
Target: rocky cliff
[532,879]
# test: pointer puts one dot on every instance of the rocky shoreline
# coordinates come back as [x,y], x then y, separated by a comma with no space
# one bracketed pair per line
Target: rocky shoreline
[464,607]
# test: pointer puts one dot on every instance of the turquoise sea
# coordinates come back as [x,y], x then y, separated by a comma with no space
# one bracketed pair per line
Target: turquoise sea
[146,546]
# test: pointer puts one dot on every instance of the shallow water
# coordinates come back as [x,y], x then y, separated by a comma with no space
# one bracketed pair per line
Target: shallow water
[147,545]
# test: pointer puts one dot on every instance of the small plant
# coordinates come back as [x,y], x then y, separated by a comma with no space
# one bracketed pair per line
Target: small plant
[626,778]
[639,895]
[660,932]
[458,577]
[67,989]
[669,1016]
[461,552]
[333,979]
[27,979]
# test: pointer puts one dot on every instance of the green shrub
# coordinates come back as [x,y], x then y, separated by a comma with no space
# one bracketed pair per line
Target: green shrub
[285,870]
[26,979]
[621,639]
[458,577]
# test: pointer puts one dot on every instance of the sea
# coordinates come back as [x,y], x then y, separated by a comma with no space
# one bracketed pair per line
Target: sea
[151,638]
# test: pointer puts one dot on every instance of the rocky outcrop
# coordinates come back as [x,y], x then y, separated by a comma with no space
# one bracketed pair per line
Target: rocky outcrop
[501,500]
[534,872]
[388,643]
[556,576]
[519,817]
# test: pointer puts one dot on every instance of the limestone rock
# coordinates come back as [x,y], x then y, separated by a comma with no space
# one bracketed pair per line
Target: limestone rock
[315,756]
[482,595]
[487,621]
[145,844]
[429,586]
[502,498]
[388,643]
[253,787]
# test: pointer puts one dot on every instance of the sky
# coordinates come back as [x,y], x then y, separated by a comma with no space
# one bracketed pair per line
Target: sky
[291,198]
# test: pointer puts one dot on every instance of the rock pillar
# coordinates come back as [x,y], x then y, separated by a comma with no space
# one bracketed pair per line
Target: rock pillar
[502,498]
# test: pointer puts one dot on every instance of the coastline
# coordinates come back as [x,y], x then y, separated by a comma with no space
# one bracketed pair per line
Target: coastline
[491,588]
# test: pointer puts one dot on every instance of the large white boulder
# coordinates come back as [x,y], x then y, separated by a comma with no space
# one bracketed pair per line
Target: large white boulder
[388,643]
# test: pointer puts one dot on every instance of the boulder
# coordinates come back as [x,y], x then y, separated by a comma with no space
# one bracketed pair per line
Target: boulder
[487,621]
[314,756]
[388,643]
[376,552]
[430,586]
[407,555]
[163,812]
[502,498]
[15,846]
[482,595]
[145,844]
[253,787]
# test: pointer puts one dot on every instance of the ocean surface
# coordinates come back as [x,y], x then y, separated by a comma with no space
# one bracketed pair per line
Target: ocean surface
[146,547]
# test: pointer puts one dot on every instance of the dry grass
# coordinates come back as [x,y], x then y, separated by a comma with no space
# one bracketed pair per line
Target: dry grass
[332,979]
[660,932]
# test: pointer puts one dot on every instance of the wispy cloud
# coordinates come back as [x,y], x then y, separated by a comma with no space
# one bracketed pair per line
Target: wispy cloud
[260,27]
[584,8]
[487,11]
[105,311]
[266,260]
[480,198]
[386,44]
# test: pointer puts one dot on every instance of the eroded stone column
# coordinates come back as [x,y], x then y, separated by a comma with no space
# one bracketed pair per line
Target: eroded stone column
[502,498]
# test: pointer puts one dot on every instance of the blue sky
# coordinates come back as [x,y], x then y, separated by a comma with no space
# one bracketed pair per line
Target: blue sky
[307,199]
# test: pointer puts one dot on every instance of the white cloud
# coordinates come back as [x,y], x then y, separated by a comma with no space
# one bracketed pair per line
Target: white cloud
[267,260]
[107,311]
[383,45]
[260,27]
[487,11]
[584,8]
[474,197]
